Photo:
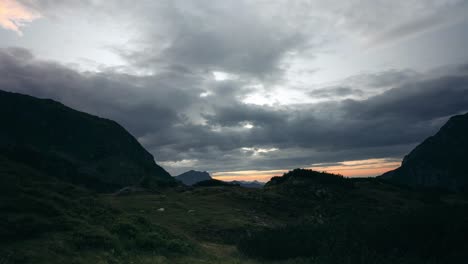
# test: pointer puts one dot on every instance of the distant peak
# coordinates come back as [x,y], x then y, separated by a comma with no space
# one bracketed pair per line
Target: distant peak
[192,176]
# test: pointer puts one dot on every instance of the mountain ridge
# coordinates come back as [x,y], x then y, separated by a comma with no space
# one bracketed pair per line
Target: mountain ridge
[74,145]
[439,161]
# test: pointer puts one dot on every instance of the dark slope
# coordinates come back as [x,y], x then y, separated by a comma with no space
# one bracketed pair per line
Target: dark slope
[74,146]
[191,177]
[47,220]
[440,161]
[214,183]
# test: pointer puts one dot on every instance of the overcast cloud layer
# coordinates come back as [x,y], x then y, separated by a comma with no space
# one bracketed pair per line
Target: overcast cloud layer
[242,85]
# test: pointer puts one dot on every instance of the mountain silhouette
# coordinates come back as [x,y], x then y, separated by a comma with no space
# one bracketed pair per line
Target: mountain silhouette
[440,161]
[74,146]
[191,177]
[305,183]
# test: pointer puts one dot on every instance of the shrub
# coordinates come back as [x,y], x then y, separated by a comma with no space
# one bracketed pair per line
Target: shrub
[150,241]
[24,226]
[94,238]
[125,229]
[428,235]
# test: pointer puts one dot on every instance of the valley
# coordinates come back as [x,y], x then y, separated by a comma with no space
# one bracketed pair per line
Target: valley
[56,208]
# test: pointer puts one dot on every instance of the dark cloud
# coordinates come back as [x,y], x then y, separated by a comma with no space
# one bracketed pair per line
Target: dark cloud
[219,132]
[426,22]
[422,100]
[380,81]
[232,36]
[117,96]
[336,92]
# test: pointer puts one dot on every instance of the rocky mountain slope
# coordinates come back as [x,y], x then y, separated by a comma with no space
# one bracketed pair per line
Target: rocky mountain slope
[74,146]
[440,161]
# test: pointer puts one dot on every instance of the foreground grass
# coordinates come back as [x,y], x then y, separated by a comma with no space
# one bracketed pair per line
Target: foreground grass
[43,220]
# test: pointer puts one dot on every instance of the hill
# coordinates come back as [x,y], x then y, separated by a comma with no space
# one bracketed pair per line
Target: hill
[438,162]
[249,184]
[213,183]
[191,177]
[74,146]
[46,220]
[304,183]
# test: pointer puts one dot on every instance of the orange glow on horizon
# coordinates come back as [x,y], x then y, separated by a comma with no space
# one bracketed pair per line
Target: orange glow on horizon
[356,168]
[360,168]
[250,175]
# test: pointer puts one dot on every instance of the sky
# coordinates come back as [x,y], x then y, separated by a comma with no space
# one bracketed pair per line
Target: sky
[247,90]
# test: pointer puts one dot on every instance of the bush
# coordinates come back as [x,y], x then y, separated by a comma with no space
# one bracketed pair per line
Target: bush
[178,246]
[94,238]
[429,235]
[24,226]
[150,241]
[136,233]
[125,229]
[290,241]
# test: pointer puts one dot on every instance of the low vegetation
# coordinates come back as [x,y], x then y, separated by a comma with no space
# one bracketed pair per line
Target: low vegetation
[44,220]
[427,235]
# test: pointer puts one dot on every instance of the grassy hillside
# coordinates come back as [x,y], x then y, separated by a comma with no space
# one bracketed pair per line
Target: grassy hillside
[372,222]
[44,220]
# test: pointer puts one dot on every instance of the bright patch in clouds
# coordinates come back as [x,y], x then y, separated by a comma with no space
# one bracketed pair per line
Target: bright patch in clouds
[205,94]
[179,163]
[223,76]
[248,125]
[257,151]
[14,16]
[258,99]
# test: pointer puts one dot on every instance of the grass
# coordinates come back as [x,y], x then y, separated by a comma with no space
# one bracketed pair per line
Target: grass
[218,218]
[212,214]
[44,220]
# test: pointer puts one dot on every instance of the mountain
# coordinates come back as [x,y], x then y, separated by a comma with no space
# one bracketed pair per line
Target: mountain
[191,177]
[249,184]
[74,146]
[440,161]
